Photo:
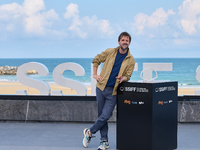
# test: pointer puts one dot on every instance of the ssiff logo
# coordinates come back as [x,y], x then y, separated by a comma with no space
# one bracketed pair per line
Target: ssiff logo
[127,102]
[160,103]
[121,88]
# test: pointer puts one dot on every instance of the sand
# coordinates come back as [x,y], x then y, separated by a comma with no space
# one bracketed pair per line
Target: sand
[12,87]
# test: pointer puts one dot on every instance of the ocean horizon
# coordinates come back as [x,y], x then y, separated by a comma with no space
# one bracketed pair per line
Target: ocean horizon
[184,69]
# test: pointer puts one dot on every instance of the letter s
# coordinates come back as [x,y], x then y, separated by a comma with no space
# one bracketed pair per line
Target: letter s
[198,73]
[77,69]
[42,70]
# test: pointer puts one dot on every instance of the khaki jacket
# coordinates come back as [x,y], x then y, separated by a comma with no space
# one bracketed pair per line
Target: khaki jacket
[108,57]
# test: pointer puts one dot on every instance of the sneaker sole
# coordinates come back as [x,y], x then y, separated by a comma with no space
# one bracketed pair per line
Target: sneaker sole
[84,131]
[107,147]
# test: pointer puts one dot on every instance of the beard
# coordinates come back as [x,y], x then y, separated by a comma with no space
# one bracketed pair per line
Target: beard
[124,49]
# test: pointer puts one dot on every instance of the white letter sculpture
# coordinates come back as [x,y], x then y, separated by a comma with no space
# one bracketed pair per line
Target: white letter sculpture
[147,74]
[197,92]
[78,70]
[22,77]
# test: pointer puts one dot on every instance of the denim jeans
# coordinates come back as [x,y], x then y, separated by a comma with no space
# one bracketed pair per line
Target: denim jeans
[106,103]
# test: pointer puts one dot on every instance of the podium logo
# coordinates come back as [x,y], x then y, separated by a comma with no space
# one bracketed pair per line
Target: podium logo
[141,103]
[142,90]
[170,101]
[166,102]
[167,88]
[134,89]
[127,102]
[134,103]
[130,89]
[121,88]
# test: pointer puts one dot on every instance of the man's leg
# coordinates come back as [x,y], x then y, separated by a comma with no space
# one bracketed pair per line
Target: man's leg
[100,104]
[108,109]
[101,99]
[105,113]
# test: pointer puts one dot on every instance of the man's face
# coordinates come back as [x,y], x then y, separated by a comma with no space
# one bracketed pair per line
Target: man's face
[124,42]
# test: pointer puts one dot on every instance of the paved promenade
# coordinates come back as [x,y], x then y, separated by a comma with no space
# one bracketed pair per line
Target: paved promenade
[68,136]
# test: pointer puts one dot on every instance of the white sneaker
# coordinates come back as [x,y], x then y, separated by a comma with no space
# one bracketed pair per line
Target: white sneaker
[87,137]
[103,145]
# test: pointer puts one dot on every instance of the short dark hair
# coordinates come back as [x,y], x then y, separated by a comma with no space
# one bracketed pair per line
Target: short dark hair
[124,34]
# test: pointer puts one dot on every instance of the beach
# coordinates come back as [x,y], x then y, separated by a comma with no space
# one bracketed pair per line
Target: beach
[12,87]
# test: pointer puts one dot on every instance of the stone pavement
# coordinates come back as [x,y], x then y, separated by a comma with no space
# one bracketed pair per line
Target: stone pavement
[68,136]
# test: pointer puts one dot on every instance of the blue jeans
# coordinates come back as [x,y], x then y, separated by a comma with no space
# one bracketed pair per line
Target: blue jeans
[106,103]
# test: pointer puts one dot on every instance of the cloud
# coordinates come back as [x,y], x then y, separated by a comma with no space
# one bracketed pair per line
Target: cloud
[32,19]
[157,19]
[189,25]
[71,11]
[10,11]
[35,20]
[31,15]
[190,19]
[33,7]
[87,26]
[38,22]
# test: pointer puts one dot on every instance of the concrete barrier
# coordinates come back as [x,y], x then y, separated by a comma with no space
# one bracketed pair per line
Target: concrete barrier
[49,108]
[75,108]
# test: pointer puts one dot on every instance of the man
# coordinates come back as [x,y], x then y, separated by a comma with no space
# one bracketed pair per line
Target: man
[118,67]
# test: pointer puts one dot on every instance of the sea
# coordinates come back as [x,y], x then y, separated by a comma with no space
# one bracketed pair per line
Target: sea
[184,69]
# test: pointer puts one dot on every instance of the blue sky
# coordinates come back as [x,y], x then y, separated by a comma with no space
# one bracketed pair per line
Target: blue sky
[81,29]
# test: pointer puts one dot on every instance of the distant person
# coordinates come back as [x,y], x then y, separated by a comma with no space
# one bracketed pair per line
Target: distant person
[118,67]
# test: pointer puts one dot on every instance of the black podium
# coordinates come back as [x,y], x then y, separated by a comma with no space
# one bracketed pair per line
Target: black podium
[147,116]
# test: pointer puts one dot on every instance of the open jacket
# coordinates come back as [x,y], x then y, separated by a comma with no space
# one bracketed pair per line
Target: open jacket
[108,57]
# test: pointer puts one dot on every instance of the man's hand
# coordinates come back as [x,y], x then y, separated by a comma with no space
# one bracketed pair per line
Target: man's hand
[121,79]
[98,78]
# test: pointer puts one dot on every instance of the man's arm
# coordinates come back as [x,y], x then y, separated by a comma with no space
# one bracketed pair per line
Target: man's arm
[99,58]
[95,76]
